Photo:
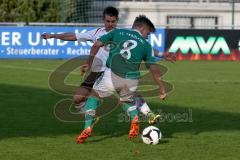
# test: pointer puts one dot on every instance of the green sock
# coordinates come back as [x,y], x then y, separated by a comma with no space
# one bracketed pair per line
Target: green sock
[90,109]
[130,109]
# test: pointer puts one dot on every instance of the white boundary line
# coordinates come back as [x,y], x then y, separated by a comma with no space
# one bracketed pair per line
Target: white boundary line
[31,69]
[167,80]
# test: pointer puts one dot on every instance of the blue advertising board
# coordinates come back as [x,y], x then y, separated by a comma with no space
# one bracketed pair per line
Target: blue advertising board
[26,42]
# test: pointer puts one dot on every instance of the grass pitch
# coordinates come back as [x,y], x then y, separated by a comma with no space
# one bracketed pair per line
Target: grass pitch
[201,116]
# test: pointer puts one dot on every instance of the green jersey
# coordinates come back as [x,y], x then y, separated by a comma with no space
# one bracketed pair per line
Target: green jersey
[127,50]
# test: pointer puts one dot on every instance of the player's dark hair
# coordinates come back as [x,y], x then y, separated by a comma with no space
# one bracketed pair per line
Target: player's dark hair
[143,20]
[110,11]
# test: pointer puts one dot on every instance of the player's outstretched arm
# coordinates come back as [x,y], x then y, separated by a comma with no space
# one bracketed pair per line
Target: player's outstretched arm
[63,36]
[169,57]
[165,55]
[157,78]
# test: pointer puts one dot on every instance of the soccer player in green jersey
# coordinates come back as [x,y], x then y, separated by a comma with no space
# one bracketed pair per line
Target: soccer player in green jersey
[122,72]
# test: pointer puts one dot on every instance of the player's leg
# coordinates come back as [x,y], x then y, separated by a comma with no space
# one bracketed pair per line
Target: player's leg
[99,90]
[143,107]
[84,90]
[80,97]
[90,111]
[132,111]
[127,97]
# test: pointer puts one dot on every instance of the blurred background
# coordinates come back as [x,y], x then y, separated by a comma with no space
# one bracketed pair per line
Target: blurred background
[201,116]
[210,14]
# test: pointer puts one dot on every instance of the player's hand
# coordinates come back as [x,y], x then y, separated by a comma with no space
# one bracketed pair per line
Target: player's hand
[169,57]
[84,68]
[163,94]
[46,36]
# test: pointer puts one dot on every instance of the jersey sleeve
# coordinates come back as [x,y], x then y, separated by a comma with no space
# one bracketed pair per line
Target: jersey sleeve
[87,36]
[107,37]
[149,58]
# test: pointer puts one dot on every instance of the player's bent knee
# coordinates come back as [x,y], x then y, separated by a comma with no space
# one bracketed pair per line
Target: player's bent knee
[78,99]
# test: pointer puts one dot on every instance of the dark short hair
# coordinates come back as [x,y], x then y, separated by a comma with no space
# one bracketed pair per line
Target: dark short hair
[143,20]
[110,11]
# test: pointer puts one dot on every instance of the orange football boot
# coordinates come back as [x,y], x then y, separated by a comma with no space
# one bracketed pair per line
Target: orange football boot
[84,135]
[134,130]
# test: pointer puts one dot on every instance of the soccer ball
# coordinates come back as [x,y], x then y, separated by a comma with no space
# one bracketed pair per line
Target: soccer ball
[151,135]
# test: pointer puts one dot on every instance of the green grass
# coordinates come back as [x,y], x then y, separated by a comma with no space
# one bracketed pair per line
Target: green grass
[207,92]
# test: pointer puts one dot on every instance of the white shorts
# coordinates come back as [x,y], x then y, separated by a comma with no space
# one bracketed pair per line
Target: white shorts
[109,83]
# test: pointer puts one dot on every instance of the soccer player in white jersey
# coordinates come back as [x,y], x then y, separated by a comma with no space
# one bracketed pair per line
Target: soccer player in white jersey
[110,17]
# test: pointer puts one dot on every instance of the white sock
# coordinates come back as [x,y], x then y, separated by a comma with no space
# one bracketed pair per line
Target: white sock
[144,109]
